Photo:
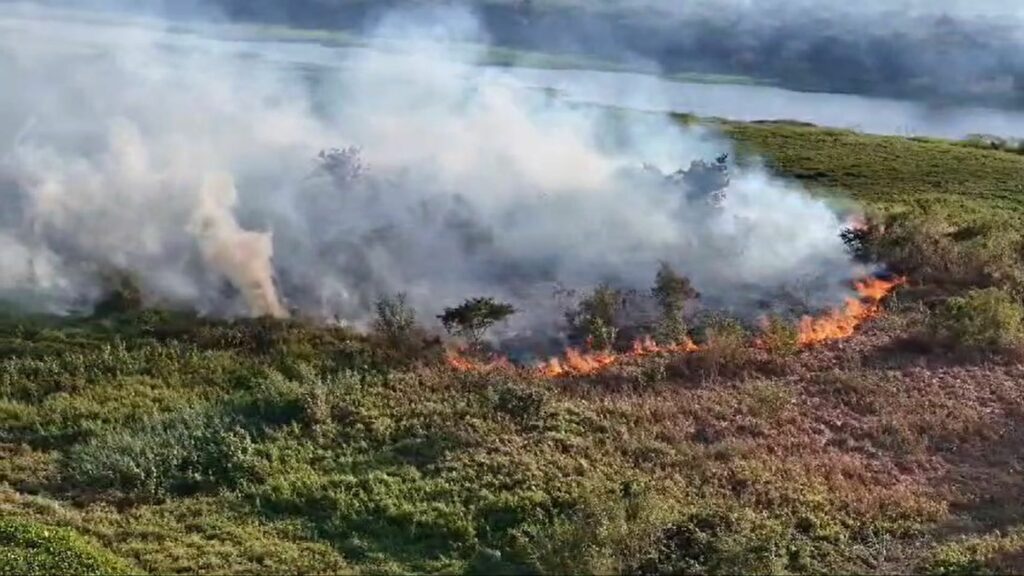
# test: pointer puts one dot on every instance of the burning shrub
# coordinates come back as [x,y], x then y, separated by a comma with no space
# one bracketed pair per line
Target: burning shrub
[858,241]
[983,319]
[593,320]
[671,291]
[472,318]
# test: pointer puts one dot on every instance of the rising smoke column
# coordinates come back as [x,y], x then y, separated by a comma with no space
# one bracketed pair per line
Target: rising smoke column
[174,159]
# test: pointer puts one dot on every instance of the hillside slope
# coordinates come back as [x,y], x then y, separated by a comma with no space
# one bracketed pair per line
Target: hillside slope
[185,445]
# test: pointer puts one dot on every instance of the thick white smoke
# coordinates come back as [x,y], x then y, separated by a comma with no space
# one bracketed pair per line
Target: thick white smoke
[180,162]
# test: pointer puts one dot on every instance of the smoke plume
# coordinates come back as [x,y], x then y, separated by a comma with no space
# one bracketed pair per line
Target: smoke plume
[234,186]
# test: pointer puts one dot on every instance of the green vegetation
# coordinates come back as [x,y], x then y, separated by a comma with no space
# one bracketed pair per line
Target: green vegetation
[964,187]
[983,319]
[594,320]
[472,318]
[989,554]
[27,548]
[779,337]
[152,441]
[671,291]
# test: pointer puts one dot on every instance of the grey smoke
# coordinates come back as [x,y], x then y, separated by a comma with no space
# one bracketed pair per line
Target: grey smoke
[192,169]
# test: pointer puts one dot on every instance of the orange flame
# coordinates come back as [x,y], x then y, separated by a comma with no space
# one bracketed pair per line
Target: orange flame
[578,363]
[834,325]
[843,322]
[459,361]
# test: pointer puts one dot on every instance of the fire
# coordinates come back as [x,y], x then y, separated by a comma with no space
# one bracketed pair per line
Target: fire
[579,363]
[843,322]
[834,325]
[458,360]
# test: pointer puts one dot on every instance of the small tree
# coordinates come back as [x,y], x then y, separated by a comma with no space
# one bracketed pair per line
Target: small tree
[671,291]
[395,320]
[472,318]
[594,317]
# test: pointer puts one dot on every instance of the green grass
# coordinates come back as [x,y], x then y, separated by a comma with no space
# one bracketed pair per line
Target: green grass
[27,548]
[955,181]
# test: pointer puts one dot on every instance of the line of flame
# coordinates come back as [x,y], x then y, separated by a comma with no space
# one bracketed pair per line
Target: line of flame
[836,324]
[843,322]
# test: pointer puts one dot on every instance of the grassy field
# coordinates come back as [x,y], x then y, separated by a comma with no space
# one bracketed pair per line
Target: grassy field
[147,441]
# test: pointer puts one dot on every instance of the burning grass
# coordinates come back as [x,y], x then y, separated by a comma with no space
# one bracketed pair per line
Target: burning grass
[329,458]
[837,324]
[842,323]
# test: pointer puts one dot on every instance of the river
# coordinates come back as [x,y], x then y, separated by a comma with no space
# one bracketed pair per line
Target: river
[627,90]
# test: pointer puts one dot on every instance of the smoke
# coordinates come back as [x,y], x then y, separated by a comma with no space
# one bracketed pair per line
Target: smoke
[946,51]
[243,257]
[233,187]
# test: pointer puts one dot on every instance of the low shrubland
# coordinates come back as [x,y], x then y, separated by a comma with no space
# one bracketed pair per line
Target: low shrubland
[28,548]
[155,441]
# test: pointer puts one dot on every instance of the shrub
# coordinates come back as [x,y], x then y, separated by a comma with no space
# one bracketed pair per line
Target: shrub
[395,319]
[725,540]
[671,291]
[400,340]
[779,337]
[724,350]
[768,400]
[982,320]
[921,246]
[995,553]
[524,402]
[934,252]
[594,319]
[185,453]
[27,548]
[604,532]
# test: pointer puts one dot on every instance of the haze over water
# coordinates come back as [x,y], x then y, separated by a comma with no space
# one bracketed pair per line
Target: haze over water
[627,90]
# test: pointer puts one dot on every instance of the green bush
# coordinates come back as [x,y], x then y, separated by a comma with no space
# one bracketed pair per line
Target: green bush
[604,532]
[28,548]
[982,320]
[186,453]
[724,349]
[779,337]
[934,252]
[671,291]
[921,246]
[994,553]
[594,319]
